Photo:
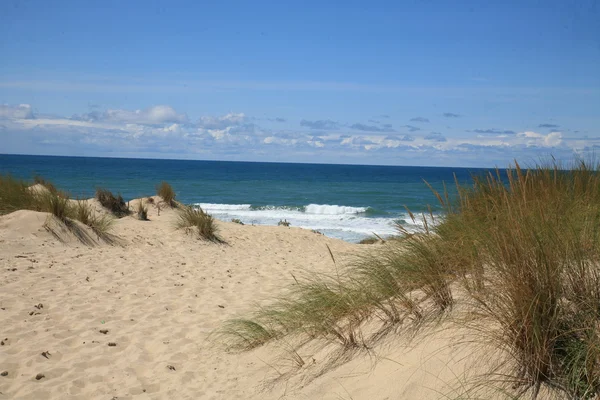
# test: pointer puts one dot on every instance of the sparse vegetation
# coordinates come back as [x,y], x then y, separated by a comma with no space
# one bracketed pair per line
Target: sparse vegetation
[47,184]
[84,213]
[369,240]
[167,193]
[196,220]
[237,221]
[283,222]
[116,205]
[142,211]
[55,204]
[525,248]
[17,195]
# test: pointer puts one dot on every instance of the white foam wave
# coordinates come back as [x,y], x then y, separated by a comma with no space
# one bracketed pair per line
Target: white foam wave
[209,207]
[340,222]
[327,209]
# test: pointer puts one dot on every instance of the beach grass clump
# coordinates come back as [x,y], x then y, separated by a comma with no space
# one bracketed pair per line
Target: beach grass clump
[524,246]
[39,180]
[196,220]
[142,211]
[237,221]
[283,222]
[115,204]
[369,240]
[166,192]
[530,246]
[15,195]
[55,204]
[84,213]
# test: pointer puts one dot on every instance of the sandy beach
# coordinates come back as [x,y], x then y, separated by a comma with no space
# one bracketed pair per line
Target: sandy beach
[134,319]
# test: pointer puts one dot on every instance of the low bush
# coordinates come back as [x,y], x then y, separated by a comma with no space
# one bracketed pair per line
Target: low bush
[15,195]
[47,184]
[195,219]
[116,205]
[167,193]
[283,222]
[85,214]
[55,204]
[142,211]
[237,221]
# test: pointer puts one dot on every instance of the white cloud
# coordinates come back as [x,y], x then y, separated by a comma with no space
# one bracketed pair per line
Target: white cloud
[552,139]
[150,116]
[231,119]
[22,111]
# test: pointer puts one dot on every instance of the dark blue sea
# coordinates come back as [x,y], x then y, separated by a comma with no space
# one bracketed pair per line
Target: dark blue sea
[348,202]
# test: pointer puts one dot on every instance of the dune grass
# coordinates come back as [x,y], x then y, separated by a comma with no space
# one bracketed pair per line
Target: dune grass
[525,248]
[142,211]
[166,192]
[115,204]
[17,195]
[196,220]
[39,180]
[100,224]
[57,205]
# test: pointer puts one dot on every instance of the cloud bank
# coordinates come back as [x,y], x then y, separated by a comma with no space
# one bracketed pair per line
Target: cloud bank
[163,132]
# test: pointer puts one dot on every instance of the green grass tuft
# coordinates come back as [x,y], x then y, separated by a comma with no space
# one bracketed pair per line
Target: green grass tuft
[167,193]
[142,211]
[195,219]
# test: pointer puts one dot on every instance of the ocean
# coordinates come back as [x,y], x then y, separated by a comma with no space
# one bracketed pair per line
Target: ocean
[349,202]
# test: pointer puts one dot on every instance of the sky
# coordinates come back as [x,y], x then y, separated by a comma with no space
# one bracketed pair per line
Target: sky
[437,83]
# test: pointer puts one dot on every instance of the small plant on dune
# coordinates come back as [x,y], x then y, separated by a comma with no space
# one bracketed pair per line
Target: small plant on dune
[55,204]
[150,200]
[369,240]
[237,221]
[85,214]
[115,205]
[142,211]
[283,222]
[47,184]
[167,193]
[195,219]
[15,195]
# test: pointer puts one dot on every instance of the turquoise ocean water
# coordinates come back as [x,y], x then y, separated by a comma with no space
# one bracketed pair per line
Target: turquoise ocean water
[348,202]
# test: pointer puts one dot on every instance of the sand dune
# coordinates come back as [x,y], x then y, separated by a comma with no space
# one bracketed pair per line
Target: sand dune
[133,320]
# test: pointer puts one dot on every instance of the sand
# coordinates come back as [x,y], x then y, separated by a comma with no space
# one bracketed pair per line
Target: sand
[133,319]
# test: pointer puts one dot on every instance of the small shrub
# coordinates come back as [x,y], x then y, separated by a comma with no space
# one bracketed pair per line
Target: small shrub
[150,200]
[47,184]
[283,222]
[84,213]
[369,240]
[142,211]
[115,205]
[167,193]
[55,204]
[15,195]
[196,219]
[237,221]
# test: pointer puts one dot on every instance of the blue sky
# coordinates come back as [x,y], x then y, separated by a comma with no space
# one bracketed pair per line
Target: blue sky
[378,82]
